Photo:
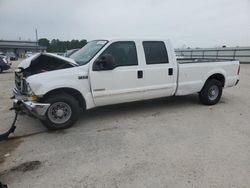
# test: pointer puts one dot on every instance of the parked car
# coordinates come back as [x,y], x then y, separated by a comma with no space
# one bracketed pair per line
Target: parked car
[59,53]
[6,58]
[68,53]
[12,56]
[28,54]
[4,64]
[55,88]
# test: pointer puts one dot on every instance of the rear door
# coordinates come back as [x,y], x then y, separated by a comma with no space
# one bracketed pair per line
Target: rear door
[122,84]
[159,70]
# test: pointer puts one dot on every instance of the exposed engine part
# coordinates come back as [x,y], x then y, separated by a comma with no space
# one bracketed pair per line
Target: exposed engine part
[41,63]
[44,63]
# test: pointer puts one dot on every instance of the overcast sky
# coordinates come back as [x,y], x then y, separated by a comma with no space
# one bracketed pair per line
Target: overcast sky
[195,23]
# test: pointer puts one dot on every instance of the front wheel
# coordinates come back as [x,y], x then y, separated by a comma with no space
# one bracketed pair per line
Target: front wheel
[63,111]
[211,92]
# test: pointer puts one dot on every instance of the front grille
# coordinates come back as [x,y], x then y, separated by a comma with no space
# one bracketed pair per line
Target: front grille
[24,89]
[20,83]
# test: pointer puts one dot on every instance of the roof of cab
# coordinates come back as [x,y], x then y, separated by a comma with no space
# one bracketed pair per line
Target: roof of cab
[133,39]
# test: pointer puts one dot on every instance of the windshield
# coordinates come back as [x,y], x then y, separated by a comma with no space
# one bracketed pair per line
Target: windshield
[86,53]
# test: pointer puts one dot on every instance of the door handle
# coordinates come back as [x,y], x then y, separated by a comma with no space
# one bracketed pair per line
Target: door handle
[170,71]
[139,74]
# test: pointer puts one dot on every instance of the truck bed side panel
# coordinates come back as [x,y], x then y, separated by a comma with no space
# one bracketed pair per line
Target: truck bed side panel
[192,76]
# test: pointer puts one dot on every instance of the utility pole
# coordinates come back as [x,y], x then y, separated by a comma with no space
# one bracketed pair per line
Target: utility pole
[36,41]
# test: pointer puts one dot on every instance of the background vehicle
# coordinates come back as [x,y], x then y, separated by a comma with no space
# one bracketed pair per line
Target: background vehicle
[4,63]
[59,53]
[55,88]
[28,54]
[12,56]
[6,58]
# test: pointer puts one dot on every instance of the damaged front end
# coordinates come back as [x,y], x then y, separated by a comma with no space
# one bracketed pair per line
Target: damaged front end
[24,98]
[37,64]
[29,106]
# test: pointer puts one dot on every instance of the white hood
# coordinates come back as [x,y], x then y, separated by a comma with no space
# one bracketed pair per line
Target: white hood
[26,62]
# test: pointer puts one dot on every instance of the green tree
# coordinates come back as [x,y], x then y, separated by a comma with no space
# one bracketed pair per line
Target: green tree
[82,43]
[43,42]
[55,45]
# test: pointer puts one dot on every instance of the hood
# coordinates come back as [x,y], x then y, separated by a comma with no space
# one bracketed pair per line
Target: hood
[44,62]
[27,62]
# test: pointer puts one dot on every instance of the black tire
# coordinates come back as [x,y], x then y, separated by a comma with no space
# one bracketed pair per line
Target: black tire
[71,104]
[206,96]
[1,70]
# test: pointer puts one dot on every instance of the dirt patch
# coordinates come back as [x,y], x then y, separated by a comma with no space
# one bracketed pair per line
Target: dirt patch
[62,131]
[108,129]
[6,147]
[26,135]
[27,166]
[156,114]
[24,167]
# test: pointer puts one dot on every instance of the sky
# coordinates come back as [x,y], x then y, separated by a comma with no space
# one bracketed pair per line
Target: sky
[188,23]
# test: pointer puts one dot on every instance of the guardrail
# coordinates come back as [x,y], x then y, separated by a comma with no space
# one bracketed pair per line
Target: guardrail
[240,53]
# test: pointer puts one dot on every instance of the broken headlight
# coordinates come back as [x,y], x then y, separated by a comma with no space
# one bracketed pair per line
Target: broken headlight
[31,95]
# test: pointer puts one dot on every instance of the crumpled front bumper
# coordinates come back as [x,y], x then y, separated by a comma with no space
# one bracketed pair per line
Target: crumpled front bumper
[29,107]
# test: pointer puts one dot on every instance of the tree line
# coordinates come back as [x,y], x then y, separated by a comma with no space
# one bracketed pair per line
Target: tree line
[55,45]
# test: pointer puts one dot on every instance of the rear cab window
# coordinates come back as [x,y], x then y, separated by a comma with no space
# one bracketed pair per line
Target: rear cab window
[155,52]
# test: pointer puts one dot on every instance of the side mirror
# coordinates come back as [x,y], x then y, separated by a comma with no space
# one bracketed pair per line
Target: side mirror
[105,62]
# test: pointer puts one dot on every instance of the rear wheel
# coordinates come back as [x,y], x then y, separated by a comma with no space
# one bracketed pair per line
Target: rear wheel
[63,111]
[211,92]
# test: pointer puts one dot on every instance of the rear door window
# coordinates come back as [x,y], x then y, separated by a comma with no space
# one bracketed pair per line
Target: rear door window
[155,52]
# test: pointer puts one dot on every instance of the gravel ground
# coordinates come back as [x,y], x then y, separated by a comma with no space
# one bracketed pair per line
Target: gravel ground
[171,142]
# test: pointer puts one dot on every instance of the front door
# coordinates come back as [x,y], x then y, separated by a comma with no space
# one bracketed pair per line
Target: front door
[122,83]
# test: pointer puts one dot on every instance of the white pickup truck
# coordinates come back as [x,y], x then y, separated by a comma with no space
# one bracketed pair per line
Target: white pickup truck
[103,72]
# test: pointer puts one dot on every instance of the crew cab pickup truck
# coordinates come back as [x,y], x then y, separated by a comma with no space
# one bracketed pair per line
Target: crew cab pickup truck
[55,88]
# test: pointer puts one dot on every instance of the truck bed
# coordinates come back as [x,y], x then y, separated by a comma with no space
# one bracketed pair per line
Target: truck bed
[200,60]
[193,73]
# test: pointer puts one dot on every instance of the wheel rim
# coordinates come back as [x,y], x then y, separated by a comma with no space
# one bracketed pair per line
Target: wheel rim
[59,112]
[213,92]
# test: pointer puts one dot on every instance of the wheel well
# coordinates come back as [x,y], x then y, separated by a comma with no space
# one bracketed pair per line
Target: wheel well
[73,92]
[218,77]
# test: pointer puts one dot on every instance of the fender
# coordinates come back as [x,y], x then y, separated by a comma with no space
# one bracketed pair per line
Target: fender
[75,78]
[215,71]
